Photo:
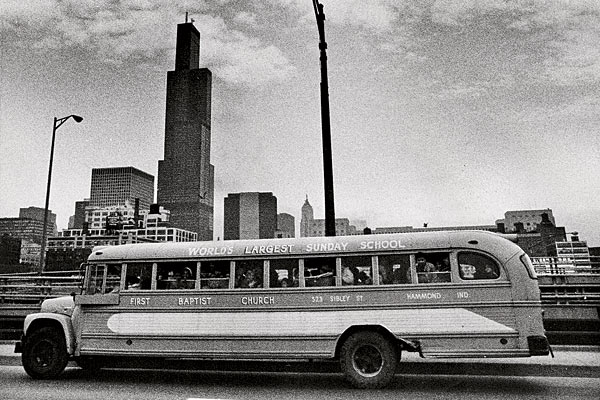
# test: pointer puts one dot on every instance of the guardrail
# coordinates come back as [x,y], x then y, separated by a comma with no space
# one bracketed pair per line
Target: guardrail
[31,288]
[22,294]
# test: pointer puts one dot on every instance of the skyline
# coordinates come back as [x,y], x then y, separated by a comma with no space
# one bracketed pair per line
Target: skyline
[444,113]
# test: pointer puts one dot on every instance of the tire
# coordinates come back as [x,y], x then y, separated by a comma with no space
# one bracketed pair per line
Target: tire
[45,353]
[368,360]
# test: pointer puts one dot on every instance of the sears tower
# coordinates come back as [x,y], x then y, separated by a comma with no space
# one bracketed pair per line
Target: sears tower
[186,176]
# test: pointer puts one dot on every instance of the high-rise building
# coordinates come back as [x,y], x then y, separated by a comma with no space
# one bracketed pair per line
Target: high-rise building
[250,215]
[310,227]
[118,186]
[29,227]
[185,176]
[78,218]
[286,226]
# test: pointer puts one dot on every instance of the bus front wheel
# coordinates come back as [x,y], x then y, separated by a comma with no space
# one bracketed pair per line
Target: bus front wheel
[368,360]
[45,354]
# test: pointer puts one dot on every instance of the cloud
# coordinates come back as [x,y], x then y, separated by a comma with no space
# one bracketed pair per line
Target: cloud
[143,32]
[374,15]
[567,31]
[245,18]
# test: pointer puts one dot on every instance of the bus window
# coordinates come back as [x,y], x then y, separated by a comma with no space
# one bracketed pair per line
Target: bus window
[214,275]
[477,266]
[138,276]
[113,278]
[283,273]
[319,271]
[95,279]
[249,274]
[357,270]
[176,275]
[433,267]
[394,269]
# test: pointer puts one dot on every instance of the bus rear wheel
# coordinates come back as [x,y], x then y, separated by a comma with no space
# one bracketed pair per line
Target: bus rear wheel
[45,354]
[368,360]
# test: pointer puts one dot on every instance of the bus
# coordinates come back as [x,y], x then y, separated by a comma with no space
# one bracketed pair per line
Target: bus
[360,300]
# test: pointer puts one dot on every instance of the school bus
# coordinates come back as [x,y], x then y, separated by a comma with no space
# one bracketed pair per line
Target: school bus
[362,300]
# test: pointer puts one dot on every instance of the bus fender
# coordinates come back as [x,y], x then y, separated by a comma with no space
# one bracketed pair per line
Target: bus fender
[33,321]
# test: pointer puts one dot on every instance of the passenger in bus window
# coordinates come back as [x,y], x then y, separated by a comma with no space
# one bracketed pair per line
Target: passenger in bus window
[348,275]
[250,280]
[467,271]
[401,275]
[425,269]
[487,271]
[325,276]
[442,269]
[186,281]
[285,282]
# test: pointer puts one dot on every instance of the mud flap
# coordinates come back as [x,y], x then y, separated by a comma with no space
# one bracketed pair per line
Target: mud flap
[412,346]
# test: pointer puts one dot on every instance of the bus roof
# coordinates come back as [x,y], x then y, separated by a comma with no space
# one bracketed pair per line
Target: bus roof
[309,246]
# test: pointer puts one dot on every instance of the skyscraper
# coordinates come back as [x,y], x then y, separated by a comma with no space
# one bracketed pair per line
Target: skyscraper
[185,176]
[309,226]
[117,186]
[250,215]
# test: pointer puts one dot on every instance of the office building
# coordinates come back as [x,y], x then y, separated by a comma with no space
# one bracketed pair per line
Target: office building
[250,215]
[77,220]
[185,175]
[310,227]
[28,227]
[118,186]
[529,218]
[286,226]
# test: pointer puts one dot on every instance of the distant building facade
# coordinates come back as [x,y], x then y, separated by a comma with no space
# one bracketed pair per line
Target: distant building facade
[541,241]
[77,220]
[311,227]
[73,246]
[117,186]
[286,226]
[575,250]
[250,215]
[28,227]
[529,218]
[409,229]
[10,254]
[185,175]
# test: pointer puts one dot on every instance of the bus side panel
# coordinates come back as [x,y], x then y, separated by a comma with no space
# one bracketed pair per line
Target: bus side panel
[293,334]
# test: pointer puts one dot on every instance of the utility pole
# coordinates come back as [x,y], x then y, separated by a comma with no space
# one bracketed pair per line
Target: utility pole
[325,124]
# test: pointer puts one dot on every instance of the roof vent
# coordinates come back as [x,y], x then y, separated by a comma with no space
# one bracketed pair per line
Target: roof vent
[98,253]
[470,242]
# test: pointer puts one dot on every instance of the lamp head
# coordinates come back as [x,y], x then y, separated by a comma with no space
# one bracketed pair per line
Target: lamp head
[77,118]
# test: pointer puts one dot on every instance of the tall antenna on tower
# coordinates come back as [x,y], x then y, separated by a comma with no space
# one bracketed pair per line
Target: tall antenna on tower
[186,17]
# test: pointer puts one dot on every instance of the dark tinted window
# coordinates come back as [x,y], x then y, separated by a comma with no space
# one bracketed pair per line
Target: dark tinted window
[319,271]
[249,274]
[214,275]
[283,273]
[477,266]
[357,270]
[394,269]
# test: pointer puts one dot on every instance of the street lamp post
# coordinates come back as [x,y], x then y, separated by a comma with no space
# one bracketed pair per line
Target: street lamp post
[325,124]
[57,123]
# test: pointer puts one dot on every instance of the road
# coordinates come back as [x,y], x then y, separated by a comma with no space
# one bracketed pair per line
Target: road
[167,384]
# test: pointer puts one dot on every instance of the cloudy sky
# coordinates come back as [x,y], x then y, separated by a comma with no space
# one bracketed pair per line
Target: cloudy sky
[449,112]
